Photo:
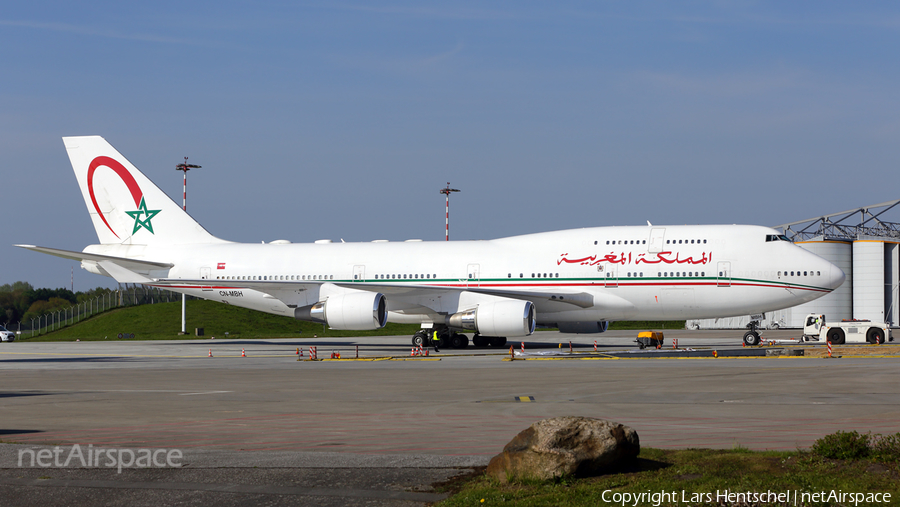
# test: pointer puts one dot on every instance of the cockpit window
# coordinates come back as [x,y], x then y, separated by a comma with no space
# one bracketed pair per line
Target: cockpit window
[776,237]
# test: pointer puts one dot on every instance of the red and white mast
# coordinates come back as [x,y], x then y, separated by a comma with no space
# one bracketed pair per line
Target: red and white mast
[185,167]
[446,191]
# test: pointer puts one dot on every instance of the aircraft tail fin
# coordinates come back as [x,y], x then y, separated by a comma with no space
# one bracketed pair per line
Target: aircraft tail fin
[125,206]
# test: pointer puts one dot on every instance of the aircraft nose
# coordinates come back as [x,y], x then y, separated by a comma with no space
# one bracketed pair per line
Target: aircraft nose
[836,277]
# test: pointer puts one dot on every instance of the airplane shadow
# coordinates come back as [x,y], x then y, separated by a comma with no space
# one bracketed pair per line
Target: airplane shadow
[627,467]
[18,432]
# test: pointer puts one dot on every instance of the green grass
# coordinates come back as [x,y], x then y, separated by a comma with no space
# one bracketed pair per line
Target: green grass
[692,471]
[162,321]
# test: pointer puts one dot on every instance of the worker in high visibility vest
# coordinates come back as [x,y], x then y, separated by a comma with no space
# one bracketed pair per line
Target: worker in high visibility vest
[435,340]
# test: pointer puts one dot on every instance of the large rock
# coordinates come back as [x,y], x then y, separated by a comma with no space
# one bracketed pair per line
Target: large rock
[559,446]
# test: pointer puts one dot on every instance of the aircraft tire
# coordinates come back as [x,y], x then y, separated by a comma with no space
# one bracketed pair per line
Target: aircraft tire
[836,336]
[497,341]
[479,341]
[459,341]
[419,338]
[751,338]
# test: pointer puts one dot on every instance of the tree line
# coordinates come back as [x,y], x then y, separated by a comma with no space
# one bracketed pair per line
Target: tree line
[21,302]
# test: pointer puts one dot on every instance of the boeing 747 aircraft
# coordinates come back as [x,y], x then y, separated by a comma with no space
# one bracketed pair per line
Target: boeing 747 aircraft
[577,280]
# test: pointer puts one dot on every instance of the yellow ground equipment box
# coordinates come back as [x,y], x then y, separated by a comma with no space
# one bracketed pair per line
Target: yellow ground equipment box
[649,339]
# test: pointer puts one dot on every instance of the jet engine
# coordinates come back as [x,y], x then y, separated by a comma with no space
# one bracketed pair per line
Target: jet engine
[354,311]
[497,318]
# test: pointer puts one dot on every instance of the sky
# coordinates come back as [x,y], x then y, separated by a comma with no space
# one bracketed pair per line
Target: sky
[343,120]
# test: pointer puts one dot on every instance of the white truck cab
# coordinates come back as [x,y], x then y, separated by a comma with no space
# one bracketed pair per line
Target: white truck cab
[845,331]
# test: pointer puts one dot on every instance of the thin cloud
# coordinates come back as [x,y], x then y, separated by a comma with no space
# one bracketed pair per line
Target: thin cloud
[727,85]
[427,12]
[93,32]
[443,56]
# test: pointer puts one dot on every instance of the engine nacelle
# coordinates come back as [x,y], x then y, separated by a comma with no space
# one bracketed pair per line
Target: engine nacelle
[355,311]
[498,318]
[582,327]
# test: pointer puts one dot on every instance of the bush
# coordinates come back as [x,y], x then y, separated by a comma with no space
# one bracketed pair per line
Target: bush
[843,445]
[885,449]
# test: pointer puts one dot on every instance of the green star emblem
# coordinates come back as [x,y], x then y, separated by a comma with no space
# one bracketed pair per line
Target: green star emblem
[148,214]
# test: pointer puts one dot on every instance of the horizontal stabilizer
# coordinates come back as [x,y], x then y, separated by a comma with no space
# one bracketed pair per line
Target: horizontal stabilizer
[129,264]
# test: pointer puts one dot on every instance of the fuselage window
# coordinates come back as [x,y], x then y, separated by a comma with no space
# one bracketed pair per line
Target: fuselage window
[607,242]
[595,242]
[804,273]
[642,274]
[667,242]
[703,273]
[521,275]
[704,241]
[818,273]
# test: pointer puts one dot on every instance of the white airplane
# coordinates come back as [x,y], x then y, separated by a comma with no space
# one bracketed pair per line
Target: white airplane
[577,280]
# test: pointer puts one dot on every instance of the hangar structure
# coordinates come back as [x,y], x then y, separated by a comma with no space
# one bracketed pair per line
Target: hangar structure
[860,242]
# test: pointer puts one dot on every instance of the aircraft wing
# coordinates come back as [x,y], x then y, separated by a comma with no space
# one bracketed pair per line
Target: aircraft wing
[291,292]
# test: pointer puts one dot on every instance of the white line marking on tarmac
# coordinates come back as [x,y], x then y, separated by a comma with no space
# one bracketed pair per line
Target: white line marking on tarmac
[207,392]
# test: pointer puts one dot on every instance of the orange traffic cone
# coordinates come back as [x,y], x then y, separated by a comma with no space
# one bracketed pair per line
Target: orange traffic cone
[210,352]
[243,354]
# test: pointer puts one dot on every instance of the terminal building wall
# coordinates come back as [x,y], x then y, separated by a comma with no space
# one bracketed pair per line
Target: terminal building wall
[868,280]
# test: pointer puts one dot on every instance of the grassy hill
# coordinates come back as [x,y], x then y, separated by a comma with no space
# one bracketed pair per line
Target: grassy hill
[162,321]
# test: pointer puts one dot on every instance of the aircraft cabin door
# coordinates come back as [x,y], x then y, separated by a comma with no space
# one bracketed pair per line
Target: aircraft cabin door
[611,278]
[723,278]
[359,273]
[205,275]
[657,239]
[473,272]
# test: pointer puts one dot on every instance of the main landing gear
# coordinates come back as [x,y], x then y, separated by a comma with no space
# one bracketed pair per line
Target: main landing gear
[452,339]
[751,338]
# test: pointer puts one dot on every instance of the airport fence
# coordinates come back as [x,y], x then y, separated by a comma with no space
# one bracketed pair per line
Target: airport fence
[125,295]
